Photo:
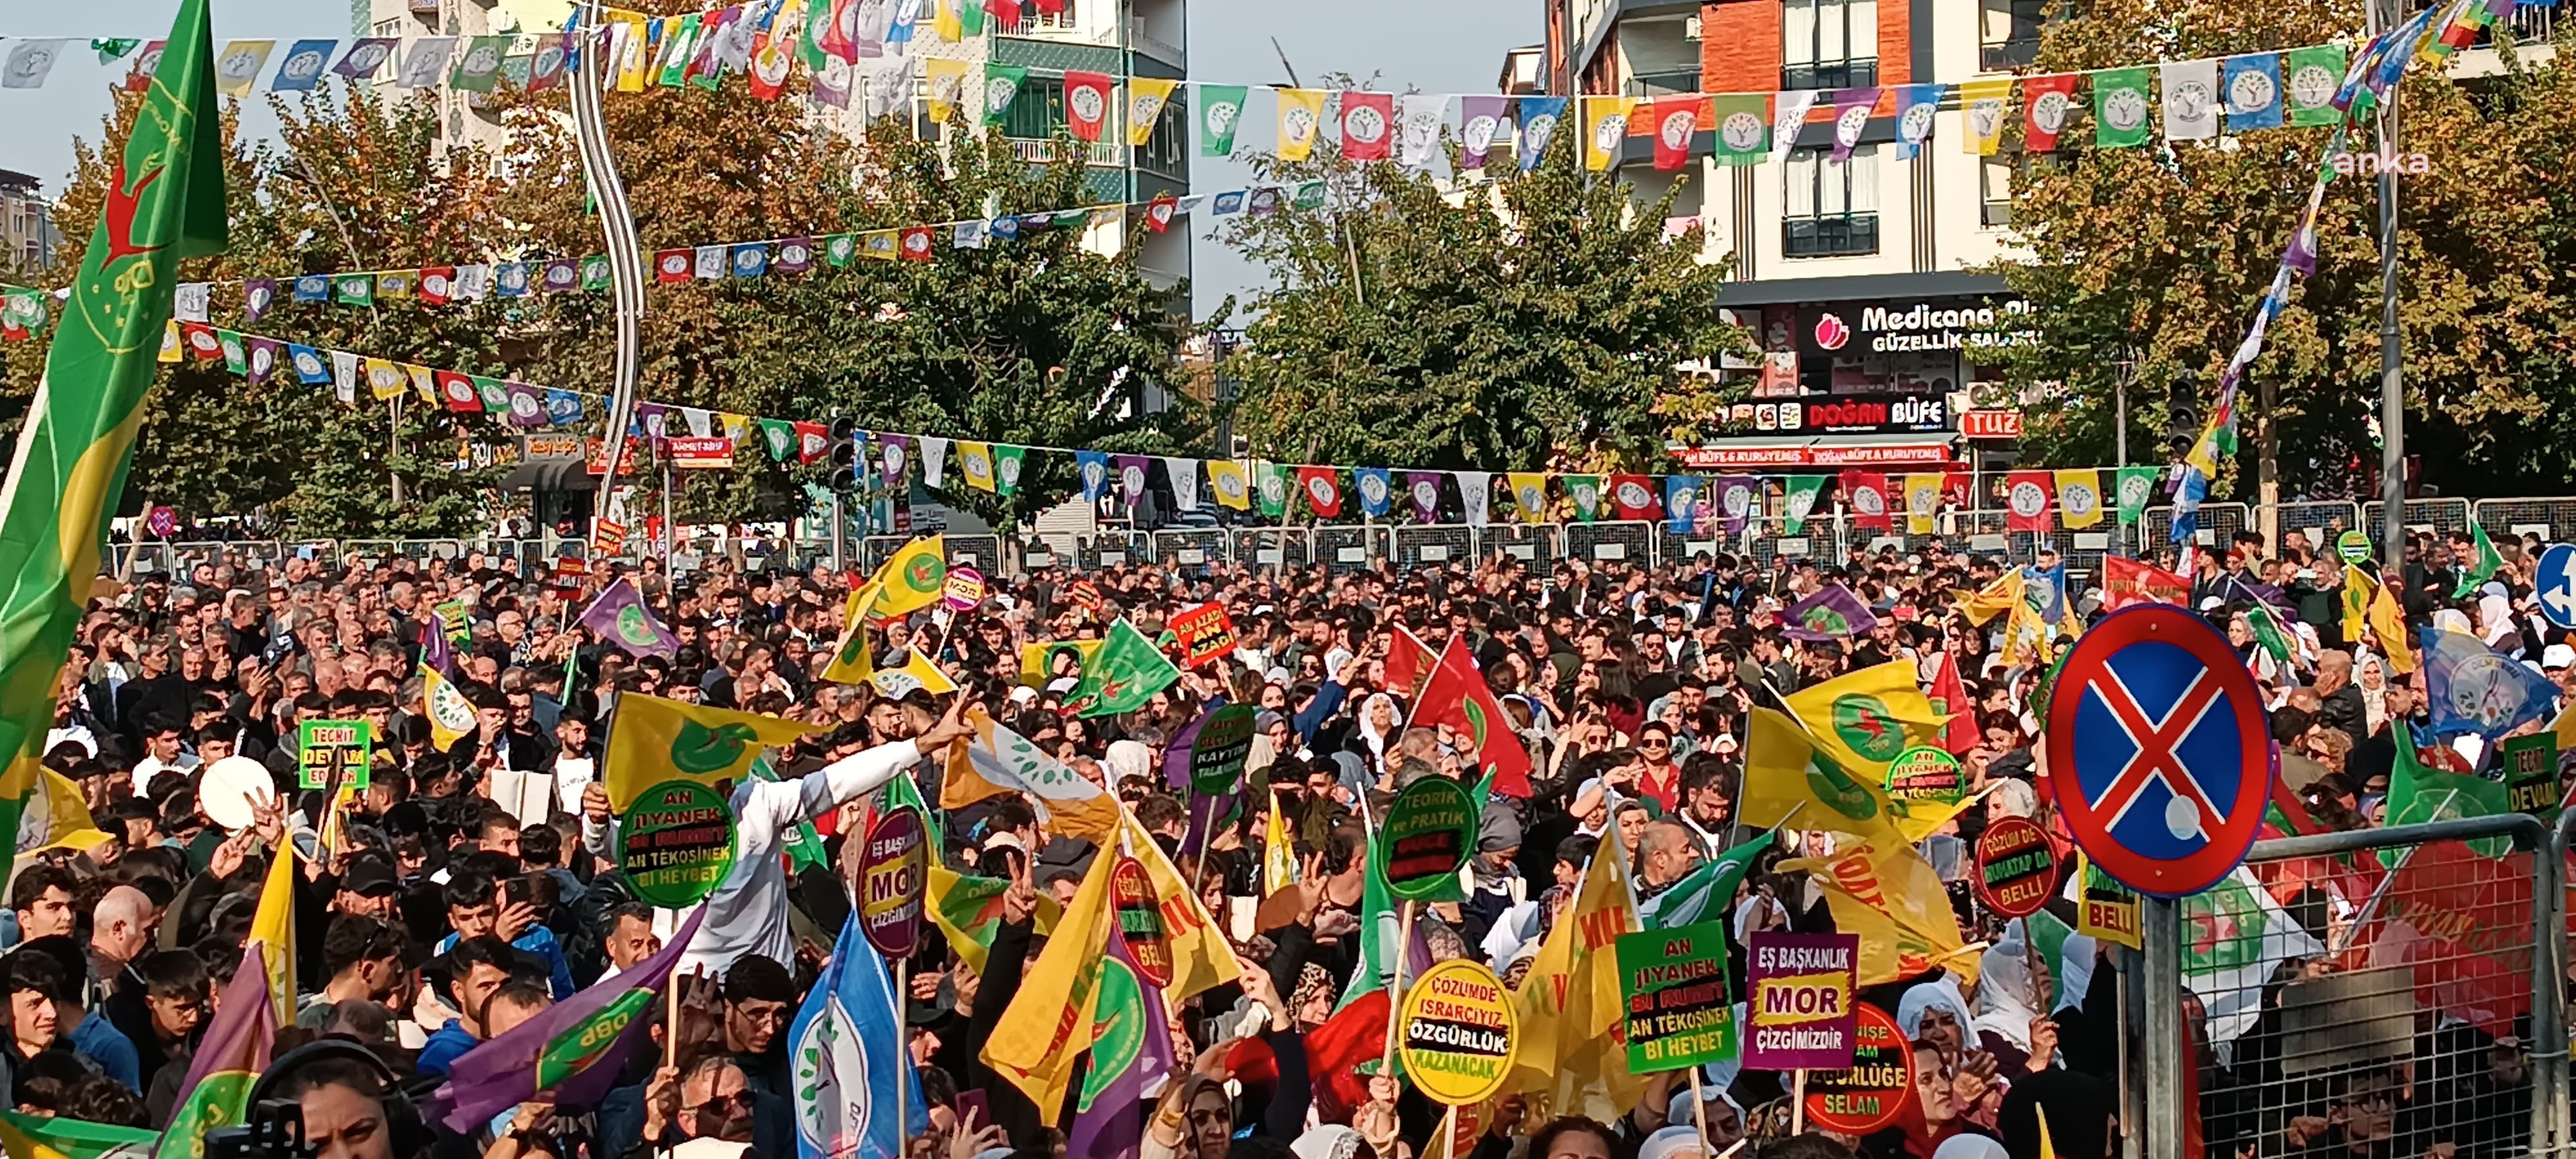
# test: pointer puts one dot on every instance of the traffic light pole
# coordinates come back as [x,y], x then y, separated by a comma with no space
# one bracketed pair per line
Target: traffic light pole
[2392,354]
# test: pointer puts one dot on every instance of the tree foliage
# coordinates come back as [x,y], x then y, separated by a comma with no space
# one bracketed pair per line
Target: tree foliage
[1540,319]
[2146,264]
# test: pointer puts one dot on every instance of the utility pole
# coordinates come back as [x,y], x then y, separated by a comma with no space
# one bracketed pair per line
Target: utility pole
[2392,355]
[617,223]
[2267,470]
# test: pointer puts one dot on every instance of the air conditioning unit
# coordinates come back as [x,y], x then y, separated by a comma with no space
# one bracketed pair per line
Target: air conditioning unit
[1690,28]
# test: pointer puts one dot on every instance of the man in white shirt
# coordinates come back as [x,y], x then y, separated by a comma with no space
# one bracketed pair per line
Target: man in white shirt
[747,914]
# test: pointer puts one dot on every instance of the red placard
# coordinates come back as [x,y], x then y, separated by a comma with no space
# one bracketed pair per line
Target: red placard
[693,454]
[1990,424]
[1868,1096]
[1140,921]
[1206,632]
[2017,868]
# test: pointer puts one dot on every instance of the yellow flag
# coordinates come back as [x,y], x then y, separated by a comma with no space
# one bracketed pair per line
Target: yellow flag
[916,671]
[2079,497]
[2388,624]
[995,761]
[1573,1040]
[171,347]
[1038,661]
[1225,476]
[976,459]
[1887,893]
[1033,1046]
[1301,114]
[880,244]
[1202,959]
[913,579]
[1146,99]
[1982,104]
[450,715]
[2003,595]
[1922,504]
[963,915]
[635,58]
[273,923]
[947,78]
[1605,130]
[385,379]
[851,663]
[952,28]
[1865,718]
[237,66]
[1278,851]
[2026,636]
[1788,779]
[2047,1146]
[655,740]
[2359,589]
[1529,493]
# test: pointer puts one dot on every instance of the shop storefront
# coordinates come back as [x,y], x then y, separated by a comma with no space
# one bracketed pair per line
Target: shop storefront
[1917,334]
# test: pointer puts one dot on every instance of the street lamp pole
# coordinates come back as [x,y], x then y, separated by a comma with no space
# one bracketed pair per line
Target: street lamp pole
[2392,354]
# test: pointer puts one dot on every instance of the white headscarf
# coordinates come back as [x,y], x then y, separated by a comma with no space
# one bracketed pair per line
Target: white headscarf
[1330,1141]
[2016,798]
[1671,1142]
[2004,1002]
[1377,740]
[1127,758]
[1968,1145]
[1943,992]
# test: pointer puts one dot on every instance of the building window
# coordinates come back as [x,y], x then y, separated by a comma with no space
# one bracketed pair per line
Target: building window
[1167,150]
[1829,44]
[1995,182]
[1037,109]
[1829,209]
[2009,33]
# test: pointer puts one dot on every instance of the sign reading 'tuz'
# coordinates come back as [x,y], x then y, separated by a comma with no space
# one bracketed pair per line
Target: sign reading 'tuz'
[2158,750]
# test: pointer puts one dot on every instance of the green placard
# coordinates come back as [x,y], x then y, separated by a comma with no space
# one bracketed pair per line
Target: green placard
[457,618]
[1678,1011]
[2353,547]
[1428,833]
[675,843]
[1217,756]
[1925,773]
[2530,766]
[329,753]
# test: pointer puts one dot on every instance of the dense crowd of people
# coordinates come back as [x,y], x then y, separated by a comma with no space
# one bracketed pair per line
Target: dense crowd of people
[467,889]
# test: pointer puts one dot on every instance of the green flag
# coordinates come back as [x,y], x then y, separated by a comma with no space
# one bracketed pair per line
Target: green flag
[1379,923]
[1270,486]
[1743,123]
[1220,113]
[2268,632]
[2121,108]
[2417,794]
[2312,75]
[1008,461]
[1798,500]
[2136,485]
[809,44]
[1707,892]
[72,1138]
[679,41]
[165,202]
[970,17]
[1001,86]
[1126,672]
[1585,490]
[2485,567]
[478,68]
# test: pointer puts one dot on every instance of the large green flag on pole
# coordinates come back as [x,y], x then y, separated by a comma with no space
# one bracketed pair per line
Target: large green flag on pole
[1125,673]
[165,202]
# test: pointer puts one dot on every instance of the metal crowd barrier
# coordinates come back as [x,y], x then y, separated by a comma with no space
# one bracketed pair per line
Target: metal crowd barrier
[2553,520]
[2439,516]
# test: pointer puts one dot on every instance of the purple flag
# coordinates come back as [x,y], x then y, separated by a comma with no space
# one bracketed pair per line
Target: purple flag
[527,406]
[437,653]
[795,255]
[1832,614]
[1736,497]
[1130,1055]
[1131,477]
[1176,755]
[2302,255]
[894,457]
[620,617]
[542,1054]
[1851,116]
[1424,489]
[1480,120]
[652,420]
[264,355]
[258,294]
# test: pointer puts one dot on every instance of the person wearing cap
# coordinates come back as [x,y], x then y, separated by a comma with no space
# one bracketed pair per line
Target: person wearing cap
[367,887]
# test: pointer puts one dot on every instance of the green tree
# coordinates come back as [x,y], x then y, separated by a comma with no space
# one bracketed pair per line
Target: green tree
[2143,264]
[1543,319]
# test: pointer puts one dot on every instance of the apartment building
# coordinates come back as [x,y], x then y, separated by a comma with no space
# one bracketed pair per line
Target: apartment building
[464,118]
[28,239]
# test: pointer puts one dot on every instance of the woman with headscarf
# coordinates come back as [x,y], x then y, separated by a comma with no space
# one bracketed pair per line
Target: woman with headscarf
[2016,1000]
[1127,759]
[2370,674]
[1934,1012]
[1380,722]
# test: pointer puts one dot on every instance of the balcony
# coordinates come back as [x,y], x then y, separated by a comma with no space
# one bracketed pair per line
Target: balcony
[1859,73]
[1145,43]
[1097,154]
[1678,82]
[422,7]
[1843,235]
[2006,56]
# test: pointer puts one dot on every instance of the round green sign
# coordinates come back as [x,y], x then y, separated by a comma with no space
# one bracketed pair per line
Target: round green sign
[1428,833]
[1217,756]
[675,843]
[2353,546]
[1925,773]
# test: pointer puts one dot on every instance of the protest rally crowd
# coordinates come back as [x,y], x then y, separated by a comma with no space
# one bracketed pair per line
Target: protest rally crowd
[1149,927]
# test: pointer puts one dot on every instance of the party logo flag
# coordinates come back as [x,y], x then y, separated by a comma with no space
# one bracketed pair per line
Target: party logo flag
[165,202]
[1918,109]
[2122,108]
[236,67]
[996,760]
[619,616]
[915,673]
[655,740]
[2136,486]
[1458,696]
[1001,87]
[1122,676]
[913,578]
[2315,74]
[1675,118]
[1529,494]
[1376,486]
[1682,502]
[1831,613]
[1131,1055]
[236,1045]
[1233,491]
[1789,119]
[572,1053]
[2473,689]
[1798,501]
[1865,493]
[2045,101]
[1888,894]
[2253,87]
[1852,108]
[1086,102]
[1301,116]
[1585,492]
[1922,503]
[1147,97]
[1033,1046]
[1605,130]
[2027,501]
[1368,125]
[2191,99]
[2079,497]
[305,62]
[1220,114]
[1983,102]
[1538,118]
[1323,488]
[850,1071]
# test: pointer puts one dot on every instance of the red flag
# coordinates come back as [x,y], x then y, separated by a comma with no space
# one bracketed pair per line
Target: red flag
[813,441]
[1086,102]
[2027,498]
[1323,487]
[1949,695]
[1158,213]
[916,244]
[1354,1034]
[835,39]
[1005,13]
[139,78]
[437,284]
[2045,101]
[1409,662]
[2451,916]
[200,339]
[1959,487]
[2128,581]
[1676,118]
[1865,494]
[1634,497]
[459,392]
[1458,697]
[673,265]
[769,64]
[1050,7]
[1368,120]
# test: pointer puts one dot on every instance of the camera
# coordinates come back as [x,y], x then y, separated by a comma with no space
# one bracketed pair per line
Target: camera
[275,1130]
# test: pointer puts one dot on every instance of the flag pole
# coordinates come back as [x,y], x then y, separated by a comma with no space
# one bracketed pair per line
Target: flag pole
[1395,991]
[1798,1102]
[903,1047]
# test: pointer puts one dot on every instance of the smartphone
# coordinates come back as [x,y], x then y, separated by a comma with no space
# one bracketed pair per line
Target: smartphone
[519,891]
[977,1103]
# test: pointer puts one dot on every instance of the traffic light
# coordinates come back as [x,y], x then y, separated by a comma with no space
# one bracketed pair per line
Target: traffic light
[2182,412]
[845,454]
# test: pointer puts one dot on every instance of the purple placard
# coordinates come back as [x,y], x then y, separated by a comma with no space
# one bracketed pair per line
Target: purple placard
[1798,993]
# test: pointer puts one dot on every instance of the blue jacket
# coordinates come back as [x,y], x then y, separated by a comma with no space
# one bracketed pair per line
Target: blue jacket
[445,1047]
[539,941]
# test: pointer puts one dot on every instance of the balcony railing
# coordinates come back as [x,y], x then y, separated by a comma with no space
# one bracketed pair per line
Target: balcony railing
[2008,55]
[1154,46]
[1099,154]
[1834,74]
[1678,82]
[1994,214]
[1843,235]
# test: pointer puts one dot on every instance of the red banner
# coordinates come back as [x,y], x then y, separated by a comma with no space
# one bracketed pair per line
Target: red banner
[1205,632]
[1676,118]
[2028,496]
[1865,494]
[1086,102]
[2128,581]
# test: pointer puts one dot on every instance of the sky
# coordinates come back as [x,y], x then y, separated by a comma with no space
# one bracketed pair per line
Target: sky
[1426,45]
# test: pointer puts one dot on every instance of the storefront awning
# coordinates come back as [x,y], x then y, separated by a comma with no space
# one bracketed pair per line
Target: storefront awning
[1890,450]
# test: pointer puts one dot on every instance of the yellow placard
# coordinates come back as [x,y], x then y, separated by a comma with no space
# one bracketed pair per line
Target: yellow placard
[1459,1033]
